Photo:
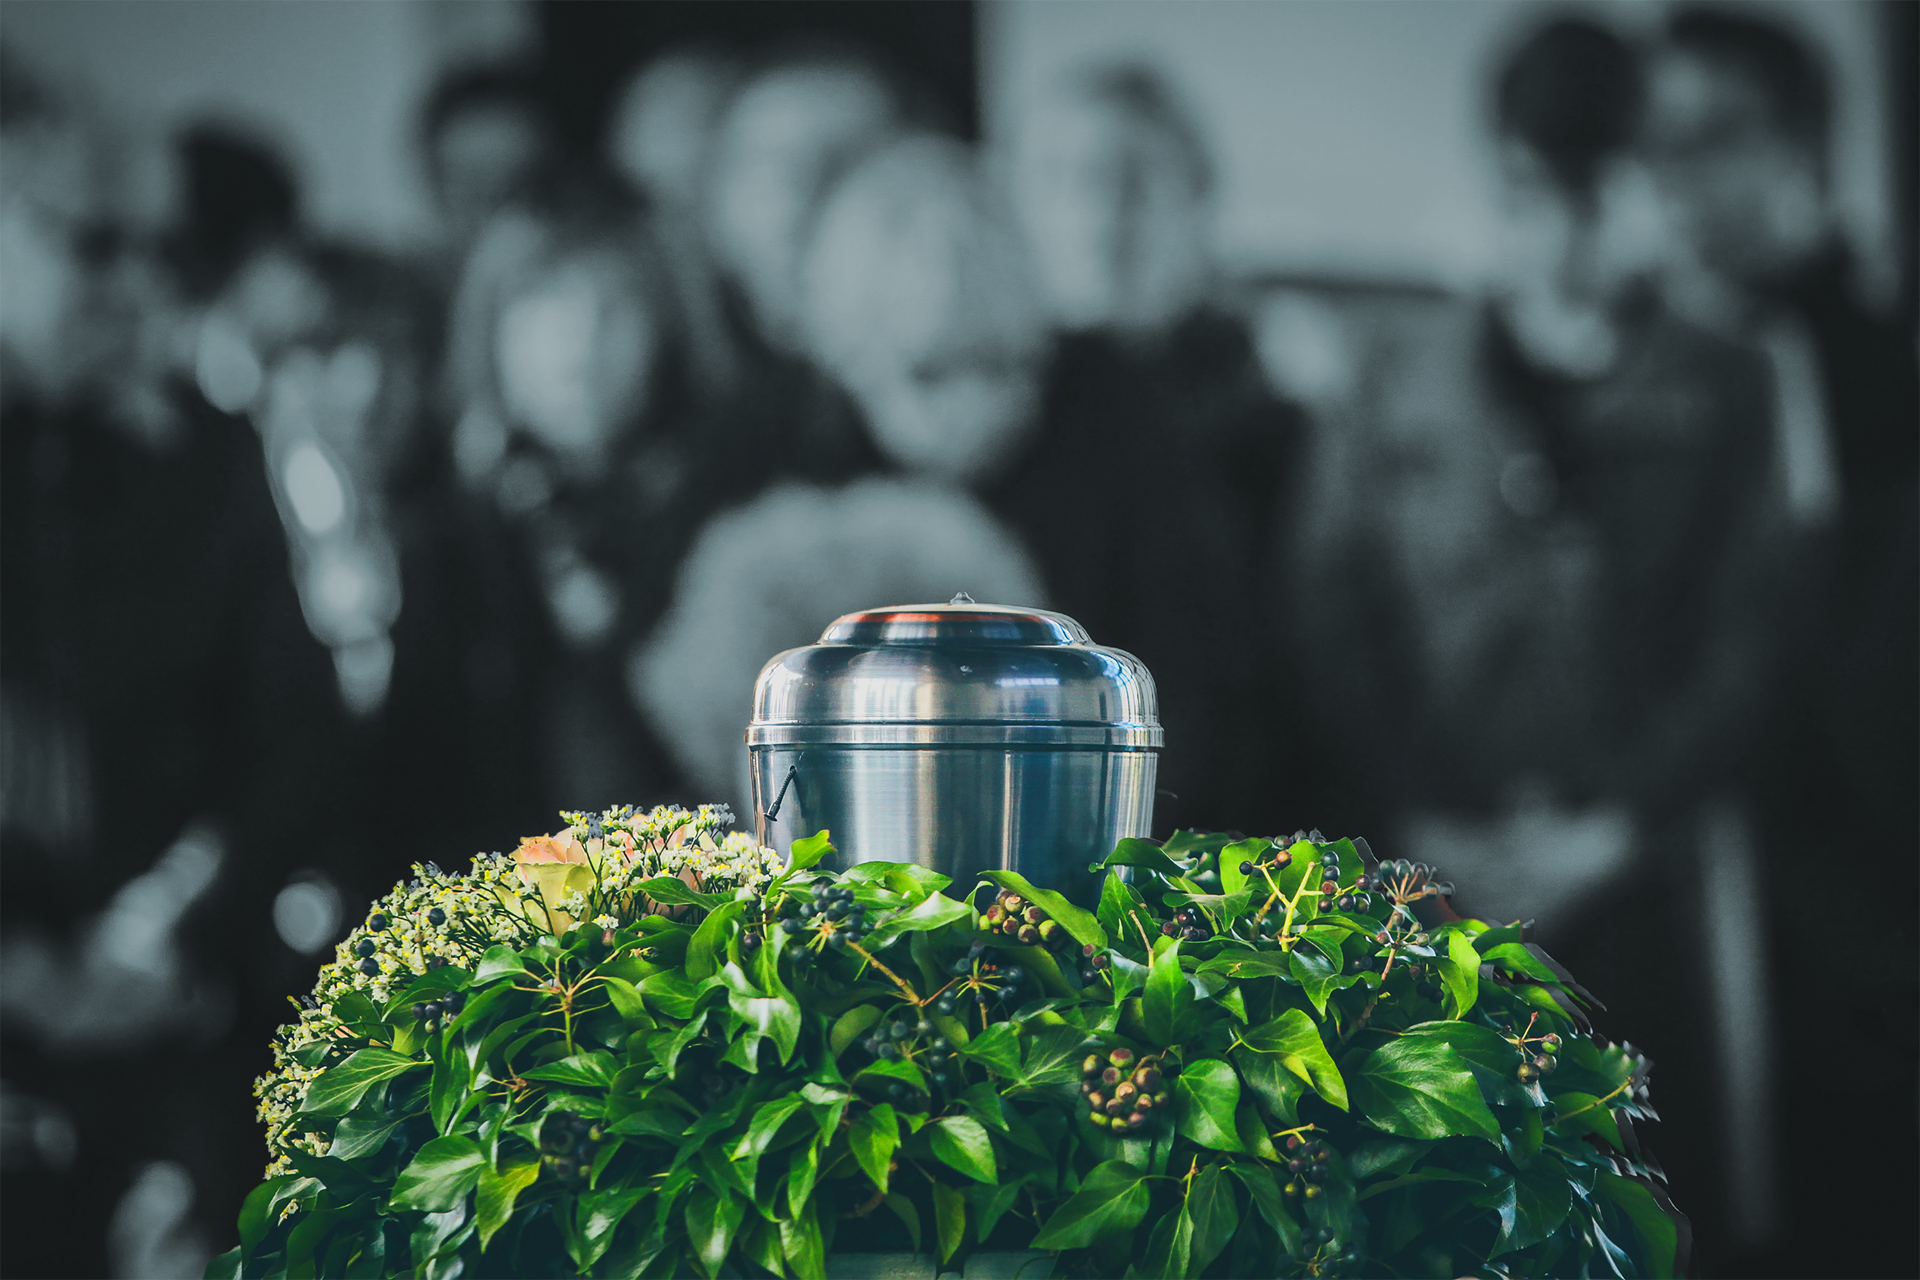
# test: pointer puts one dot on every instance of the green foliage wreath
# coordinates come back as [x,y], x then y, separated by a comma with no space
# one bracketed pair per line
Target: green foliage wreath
[645,1046]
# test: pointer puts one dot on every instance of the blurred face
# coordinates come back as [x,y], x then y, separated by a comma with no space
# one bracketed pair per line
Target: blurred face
[575,356]
[954,416]
[1118,228]
[1568,261]
[54,331]
[1750,203]
[480,156]
[663,132]
[778,143]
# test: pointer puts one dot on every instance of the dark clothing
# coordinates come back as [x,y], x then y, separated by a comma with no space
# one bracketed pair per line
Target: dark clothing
[1149,498]
[150,635]
[1667,460]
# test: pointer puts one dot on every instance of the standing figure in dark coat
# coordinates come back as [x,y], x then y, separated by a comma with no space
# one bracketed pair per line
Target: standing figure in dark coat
[170,746]
[1741,134]
[1152,490]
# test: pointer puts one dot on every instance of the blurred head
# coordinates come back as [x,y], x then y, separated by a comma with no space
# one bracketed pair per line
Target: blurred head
[786,134]
[1113,184]
[1578,233]
[47,206]
[483,131]
[917,299]
[557,327]
[664,125]
[240,198]
[1738,133]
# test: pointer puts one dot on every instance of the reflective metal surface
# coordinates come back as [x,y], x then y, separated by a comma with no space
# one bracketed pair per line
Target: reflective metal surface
[958,736]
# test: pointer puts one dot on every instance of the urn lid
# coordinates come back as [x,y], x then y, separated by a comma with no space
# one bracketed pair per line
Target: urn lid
[956,674]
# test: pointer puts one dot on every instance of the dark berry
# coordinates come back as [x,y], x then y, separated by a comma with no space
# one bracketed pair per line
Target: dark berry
[454,1002]
[1545,1062]
[900,1031]
[1347,903]
[1282,860]
[420,1012]
[945,1006]
[364,947]
[436,917]
[1246,868]
[377,922]
[370,966]
[1528,1073]
[791,927]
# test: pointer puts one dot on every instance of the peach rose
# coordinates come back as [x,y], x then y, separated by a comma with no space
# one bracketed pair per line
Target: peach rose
[554,868]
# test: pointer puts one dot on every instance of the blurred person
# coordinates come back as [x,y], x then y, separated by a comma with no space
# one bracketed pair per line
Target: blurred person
[483,132]
[662,138]
[1561,606]
[168,741]
[916,297]
[566,349]
[1114,185]
[1154,393]
[793,124]
[1740,132]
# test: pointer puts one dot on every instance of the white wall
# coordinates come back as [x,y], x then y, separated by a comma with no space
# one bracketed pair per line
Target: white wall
[338,83]
[1348,132]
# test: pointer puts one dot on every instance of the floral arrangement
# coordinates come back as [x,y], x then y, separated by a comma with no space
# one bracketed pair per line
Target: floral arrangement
[646,1046]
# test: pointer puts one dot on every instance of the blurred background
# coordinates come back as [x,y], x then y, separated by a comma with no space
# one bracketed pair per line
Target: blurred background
[1494,424]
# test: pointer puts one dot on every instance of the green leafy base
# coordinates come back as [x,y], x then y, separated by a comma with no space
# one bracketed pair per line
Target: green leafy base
[659,1096]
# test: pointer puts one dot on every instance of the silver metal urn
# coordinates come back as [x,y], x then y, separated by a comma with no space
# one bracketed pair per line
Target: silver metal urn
[958,736]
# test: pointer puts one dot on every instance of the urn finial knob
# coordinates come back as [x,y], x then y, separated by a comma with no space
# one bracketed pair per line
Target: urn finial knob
[961,597]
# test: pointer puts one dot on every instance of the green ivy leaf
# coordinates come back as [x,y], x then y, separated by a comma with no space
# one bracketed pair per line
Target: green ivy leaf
[361,1134]
[949,1218]
[674,891]
[1133,852]
[1491,1057]
[672,994]
[775,1015]
[338,1089]
[1206,1093]
[1082,924]
[1318,976]
[1053,1056]
[905,1072]
[1215,1215]
[1123,913]
[1112,1199]
[628,1003]
[1587,1114]
[447,1092]
[874,1137]
[1263,1186]
[593,1070]
[1231,879]
[850,1026]
[1170,1246]
[656,1122]
[1418,1087]
[1168,1001]
[1295,1041]
[439,1175]
[1277,1088]
[1182,843]
[498,1189]
[1542,1199]
[961,1143]
[712,1218]
[990,1204]
[499,962]
[1460,974]
[997,1048]
[1515,958]
[761,1133]
[804,853]
[935,911]
[1659,1234]
[909,1217]
[800,1238]
[257,1211]
[709,945]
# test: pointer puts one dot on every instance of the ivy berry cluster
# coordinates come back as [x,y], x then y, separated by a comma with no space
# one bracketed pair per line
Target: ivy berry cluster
[832,913]
[1024,922]
[568,1143]
[984,978]
[1538,1061]
[428,1012]
[1122,1091]
[1307,1162]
